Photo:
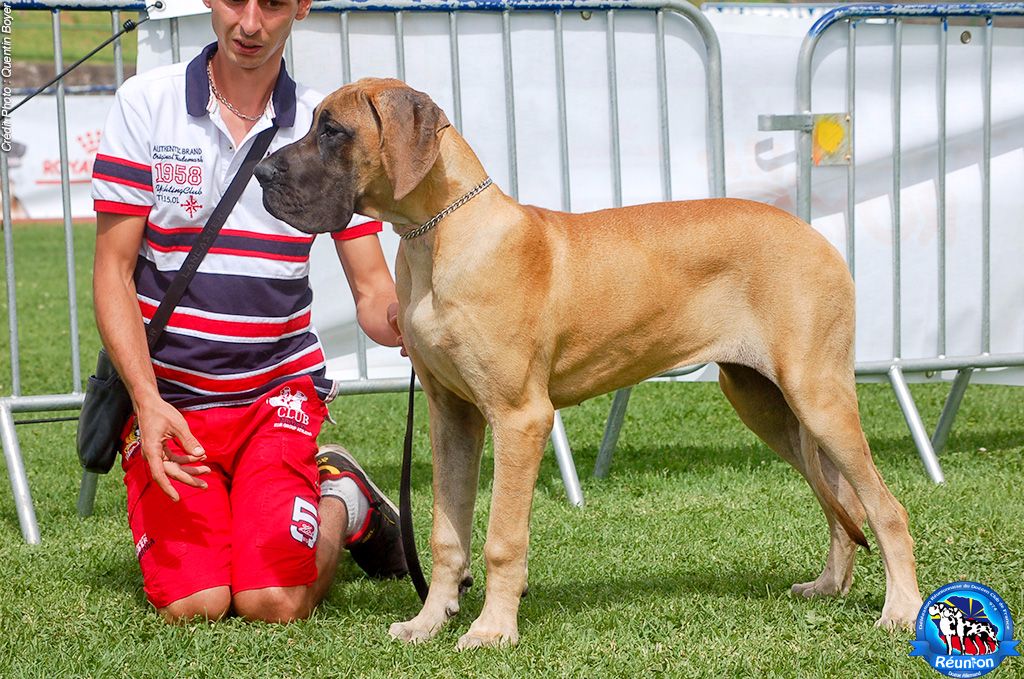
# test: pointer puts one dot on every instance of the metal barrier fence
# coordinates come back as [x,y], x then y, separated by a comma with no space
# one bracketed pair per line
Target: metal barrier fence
[805,122]
[18,402]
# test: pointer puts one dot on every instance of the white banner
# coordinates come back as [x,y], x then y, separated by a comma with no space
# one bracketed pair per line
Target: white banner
[35,168]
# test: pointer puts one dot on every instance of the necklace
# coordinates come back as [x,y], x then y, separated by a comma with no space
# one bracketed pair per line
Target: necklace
[222,99]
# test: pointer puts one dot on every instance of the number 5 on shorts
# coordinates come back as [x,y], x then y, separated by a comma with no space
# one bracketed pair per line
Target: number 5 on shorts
[305,524]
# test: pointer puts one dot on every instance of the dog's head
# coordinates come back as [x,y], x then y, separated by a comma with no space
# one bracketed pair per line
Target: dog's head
[371,144]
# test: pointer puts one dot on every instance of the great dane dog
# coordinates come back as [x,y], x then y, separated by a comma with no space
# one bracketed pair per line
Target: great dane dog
[510,311]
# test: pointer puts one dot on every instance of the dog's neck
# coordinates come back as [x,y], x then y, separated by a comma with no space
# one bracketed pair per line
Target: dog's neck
[455,173]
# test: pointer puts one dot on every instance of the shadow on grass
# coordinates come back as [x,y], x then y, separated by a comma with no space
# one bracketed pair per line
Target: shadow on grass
[553,599]
[122,577]
[676,458]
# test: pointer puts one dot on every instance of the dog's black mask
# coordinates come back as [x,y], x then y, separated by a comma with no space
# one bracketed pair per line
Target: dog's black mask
[311,183]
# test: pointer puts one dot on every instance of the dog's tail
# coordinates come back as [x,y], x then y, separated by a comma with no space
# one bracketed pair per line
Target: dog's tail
[812,467]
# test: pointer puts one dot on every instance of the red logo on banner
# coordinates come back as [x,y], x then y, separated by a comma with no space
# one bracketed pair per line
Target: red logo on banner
[90,141]
[79,169]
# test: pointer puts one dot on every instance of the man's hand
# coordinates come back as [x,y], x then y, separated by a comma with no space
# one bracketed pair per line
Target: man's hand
[392,315]
[159,422]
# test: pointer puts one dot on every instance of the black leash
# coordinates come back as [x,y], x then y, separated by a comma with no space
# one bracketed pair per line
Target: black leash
[126,27]
[412,560]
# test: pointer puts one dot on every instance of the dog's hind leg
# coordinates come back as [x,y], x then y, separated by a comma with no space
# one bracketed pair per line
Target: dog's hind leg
[456,437]
[761,407]
[826,404]
[520,433]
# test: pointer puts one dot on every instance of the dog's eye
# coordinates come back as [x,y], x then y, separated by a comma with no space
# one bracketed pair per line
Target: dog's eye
[330,130]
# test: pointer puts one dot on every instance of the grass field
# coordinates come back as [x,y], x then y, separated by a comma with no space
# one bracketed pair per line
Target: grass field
[679,565]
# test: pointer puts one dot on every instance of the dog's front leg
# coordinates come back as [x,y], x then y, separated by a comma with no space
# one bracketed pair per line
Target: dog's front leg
[456,437]
[519,438]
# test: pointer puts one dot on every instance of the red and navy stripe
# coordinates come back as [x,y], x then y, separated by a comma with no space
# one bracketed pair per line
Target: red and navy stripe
[230,328]
[232,242]
[236,294]
[122,171]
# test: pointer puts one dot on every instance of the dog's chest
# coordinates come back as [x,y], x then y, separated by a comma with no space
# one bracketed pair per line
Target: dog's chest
[426,327]
[430,333]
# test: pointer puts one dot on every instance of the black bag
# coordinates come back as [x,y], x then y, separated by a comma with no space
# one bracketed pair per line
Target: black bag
[105,411]
[107,405]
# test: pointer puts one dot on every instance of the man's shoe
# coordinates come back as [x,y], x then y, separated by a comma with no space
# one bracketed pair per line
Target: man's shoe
[377,545]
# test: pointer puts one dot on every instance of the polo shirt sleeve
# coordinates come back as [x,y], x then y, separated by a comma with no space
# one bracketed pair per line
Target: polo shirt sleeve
[122,175]
[359,226]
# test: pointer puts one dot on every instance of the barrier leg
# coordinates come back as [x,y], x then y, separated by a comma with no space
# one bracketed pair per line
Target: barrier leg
[16,472]
[565,462]
[917,430]
[87,493]
[952,407]
[612,427]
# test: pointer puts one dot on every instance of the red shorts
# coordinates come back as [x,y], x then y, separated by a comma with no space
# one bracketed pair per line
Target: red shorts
[256,524]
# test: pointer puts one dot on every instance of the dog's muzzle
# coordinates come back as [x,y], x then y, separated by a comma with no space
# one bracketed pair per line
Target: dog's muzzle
[270,170]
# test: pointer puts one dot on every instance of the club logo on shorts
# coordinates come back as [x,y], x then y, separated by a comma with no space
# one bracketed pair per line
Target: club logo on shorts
[142,546]
[290,409]
[964,629]
[132,443]
[289,405]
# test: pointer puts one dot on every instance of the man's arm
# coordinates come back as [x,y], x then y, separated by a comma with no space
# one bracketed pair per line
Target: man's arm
[372,287]
[124,336]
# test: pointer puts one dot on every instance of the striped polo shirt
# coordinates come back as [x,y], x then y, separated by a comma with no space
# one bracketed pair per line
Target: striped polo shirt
[243,325]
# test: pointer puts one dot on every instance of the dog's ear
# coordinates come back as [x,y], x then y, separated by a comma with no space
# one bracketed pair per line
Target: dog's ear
[410,126]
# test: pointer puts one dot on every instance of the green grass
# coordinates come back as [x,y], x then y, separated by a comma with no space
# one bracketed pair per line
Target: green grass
[81,31]
[679,564]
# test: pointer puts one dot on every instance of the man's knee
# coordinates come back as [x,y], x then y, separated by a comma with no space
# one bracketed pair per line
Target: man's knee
[274,604]
[211,604]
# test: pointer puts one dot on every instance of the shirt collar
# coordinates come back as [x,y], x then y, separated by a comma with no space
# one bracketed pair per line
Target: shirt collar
[197,90]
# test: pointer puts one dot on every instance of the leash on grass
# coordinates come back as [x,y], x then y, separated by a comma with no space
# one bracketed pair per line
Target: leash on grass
[126,27]
[412,560]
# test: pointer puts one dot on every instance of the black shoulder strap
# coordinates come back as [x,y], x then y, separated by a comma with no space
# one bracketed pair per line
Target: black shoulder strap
[208,235]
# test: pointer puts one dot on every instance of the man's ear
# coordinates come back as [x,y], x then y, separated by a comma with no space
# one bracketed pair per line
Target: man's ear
[410,126]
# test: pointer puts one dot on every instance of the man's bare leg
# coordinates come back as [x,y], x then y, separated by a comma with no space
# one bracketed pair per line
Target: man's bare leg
[285,604]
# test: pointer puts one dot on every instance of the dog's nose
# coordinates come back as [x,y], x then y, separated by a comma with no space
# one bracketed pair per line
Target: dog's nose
[270,169]
[265,171]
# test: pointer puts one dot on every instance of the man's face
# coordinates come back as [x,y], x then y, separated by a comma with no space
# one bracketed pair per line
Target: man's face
[251,33]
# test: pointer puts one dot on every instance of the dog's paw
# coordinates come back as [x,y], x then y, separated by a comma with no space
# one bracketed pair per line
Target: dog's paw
[413,631]
[895,624]
[476,640]
[488,636]
[899,617]
[819,587]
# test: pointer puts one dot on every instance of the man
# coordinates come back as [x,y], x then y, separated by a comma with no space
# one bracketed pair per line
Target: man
[226,503]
